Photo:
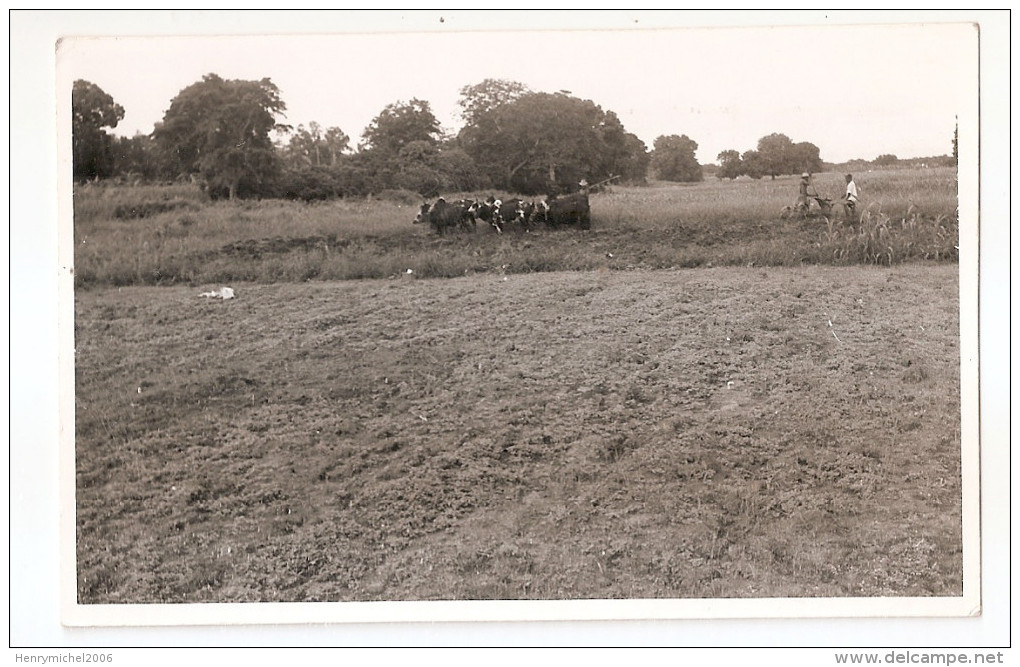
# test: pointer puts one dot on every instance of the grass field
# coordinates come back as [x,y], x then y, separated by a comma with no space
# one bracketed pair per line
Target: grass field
[180,238]
[694,399]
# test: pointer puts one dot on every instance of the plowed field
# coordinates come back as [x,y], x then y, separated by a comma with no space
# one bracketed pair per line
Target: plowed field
[726,432]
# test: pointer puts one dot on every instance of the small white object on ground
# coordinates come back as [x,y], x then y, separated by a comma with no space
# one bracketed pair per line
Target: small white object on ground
[222,293]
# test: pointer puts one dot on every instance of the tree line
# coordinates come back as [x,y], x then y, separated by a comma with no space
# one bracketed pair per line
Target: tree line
[776,154]
[227,135]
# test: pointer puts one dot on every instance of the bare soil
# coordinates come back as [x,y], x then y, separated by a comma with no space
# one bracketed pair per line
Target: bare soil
[723,432]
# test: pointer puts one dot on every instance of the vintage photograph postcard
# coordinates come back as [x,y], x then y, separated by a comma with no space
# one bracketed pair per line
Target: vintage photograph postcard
[452,318]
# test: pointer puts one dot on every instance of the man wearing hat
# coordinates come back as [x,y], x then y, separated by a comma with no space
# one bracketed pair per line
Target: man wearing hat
[803,203]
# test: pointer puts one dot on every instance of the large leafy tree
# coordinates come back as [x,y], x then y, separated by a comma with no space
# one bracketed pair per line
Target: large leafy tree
[402,149]
[416,168]
[220,129]
[779,155]
[806,157]
[92,109]
[632,160]
[752,164]
[621,153]
[729,164]
[479,100]
[776,153]
[542,141]
[400,124]
[673,159]
[460,173]
[432,170]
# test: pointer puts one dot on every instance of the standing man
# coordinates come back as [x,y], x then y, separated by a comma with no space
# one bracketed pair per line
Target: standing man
[850,198]
[803,203]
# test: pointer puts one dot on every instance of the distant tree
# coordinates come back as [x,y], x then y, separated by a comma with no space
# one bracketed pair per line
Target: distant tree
[885,160]
[804,157]
[363,173]
[379,168]
[220,129]
[416,168]
[313,147]
[632,160]
[140,157]
[459,171]
[673,159]
[481,99]
[776,154]
[92,109]
[307,183]
[336,143]
[400,124]
[619,153]
[482,137]
[751,164]
[729,164]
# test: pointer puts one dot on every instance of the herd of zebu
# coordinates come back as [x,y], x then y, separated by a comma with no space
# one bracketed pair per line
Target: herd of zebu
[570,209]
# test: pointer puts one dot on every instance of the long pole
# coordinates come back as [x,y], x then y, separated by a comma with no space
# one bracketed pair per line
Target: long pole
[611,178]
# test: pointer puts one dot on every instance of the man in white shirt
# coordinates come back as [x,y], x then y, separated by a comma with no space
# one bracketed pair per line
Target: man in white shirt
[850,199]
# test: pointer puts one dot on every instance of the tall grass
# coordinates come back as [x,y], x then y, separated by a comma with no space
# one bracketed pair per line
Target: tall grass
[169,234]
[197,242]
[929,192]
[97,201]
[880,239]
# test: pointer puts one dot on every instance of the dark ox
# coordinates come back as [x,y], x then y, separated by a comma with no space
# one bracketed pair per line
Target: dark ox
[443,215]
[539,211]
[470,208]
[529,210]
[511,210]
[570,209]
[499,213]
[486,211]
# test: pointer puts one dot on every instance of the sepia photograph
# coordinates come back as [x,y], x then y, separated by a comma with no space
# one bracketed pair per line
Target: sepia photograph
[598,320]
[451,329]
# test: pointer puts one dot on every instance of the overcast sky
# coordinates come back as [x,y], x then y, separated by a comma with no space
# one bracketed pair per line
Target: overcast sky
[852,90]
